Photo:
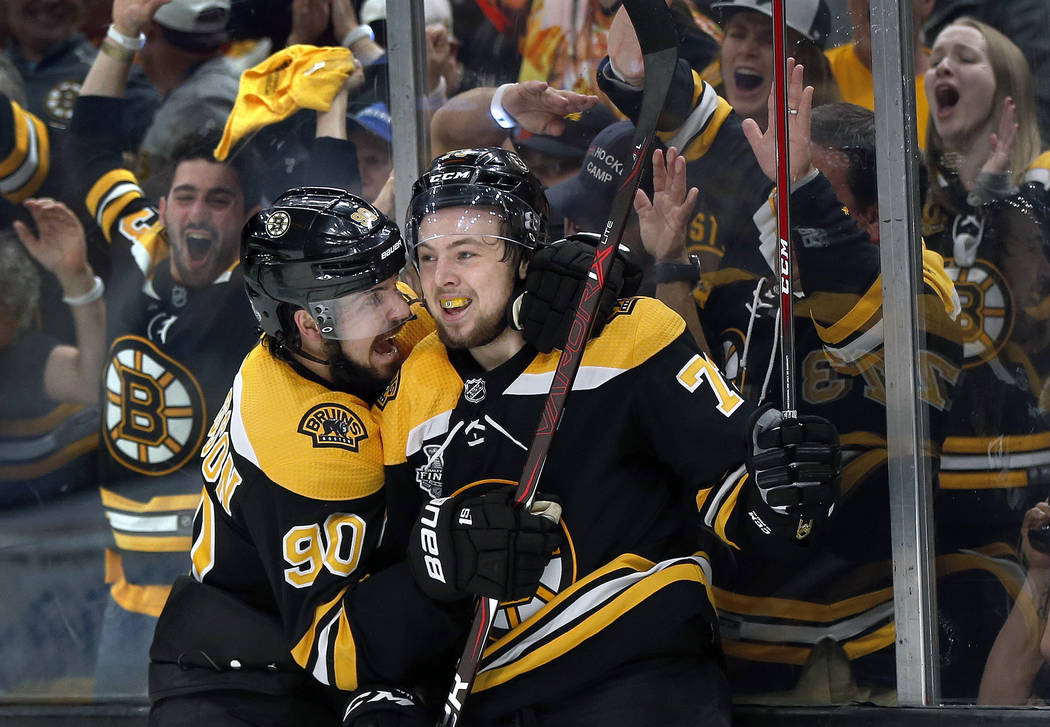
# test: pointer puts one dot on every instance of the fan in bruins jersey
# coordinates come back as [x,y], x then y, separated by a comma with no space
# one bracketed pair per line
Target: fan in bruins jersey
[987,211]
[288,572]
[621,627]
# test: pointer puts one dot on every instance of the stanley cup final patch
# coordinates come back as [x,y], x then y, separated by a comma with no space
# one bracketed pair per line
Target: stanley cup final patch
[333,425]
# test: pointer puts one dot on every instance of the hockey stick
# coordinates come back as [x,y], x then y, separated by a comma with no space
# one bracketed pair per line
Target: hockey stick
[654,27]
[787,327]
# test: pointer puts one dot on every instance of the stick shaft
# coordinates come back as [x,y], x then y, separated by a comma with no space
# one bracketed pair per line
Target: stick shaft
[785,257]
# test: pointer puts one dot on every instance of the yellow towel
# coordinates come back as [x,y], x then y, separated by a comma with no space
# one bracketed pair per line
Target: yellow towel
[298,77]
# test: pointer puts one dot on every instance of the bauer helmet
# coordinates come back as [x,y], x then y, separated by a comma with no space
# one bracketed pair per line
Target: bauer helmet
[322,250]
[492,177]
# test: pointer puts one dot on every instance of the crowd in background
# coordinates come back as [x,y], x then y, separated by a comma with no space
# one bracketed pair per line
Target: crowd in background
[121,305]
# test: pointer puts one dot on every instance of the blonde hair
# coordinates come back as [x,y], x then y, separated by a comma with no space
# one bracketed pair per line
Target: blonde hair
[1013,78]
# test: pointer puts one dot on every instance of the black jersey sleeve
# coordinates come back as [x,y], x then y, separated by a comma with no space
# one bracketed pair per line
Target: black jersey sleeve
[111,193]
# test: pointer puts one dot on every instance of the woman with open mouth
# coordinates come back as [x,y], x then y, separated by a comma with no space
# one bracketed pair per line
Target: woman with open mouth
[986,212]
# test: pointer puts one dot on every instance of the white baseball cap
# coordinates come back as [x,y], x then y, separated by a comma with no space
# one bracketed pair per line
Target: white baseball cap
[196,17]
[434,11]
[810,18]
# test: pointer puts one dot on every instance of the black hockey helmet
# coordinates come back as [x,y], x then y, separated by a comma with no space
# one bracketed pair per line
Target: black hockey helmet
[490,177]
[314,246]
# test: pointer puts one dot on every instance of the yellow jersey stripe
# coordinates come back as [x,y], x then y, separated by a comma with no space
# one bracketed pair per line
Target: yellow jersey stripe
[593,624]
[785,608]
[21,146]
[160,503]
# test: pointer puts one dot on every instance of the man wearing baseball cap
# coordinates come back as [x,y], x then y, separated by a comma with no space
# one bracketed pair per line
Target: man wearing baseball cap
[744,73]
[182,56]
[584,199]
[370,131]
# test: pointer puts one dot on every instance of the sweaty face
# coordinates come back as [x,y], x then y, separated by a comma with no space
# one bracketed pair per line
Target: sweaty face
[960,87]
[465,280]
[39,24]
[203,214]
[747,63]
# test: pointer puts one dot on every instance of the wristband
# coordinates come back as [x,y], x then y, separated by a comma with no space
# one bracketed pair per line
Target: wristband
[675,272]
[355,34]
[97,289]
[117,52]
[499,114]
[126,42]
[619,76]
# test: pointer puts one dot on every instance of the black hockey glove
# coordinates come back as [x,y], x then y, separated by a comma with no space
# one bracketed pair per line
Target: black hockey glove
[796,467]
[482,545]
[385,708]
[554,285]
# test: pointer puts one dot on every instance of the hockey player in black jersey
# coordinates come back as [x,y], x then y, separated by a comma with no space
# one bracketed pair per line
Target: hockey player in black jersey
[621,629]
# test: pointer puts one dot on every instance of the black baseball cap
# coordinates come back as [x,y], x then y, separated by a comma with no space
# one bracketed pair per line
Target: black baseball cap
[585,198]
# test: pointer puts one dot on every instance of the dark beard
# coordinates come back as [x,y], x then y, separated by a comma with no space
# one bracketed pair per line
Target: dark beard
[361,381]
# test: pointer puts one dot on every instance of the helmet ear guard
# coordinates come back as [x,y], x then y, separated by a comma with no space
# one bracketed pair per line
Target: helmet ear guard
[314,244]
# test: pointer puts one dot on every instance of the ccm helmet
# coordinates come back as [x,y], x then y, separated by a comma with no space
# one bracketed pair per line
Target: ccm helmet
[491,177]
[315,246]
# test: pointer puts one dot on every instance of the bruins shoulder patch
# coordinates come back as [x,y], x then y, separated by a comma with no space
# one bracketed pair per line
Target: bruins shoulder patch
[333,425]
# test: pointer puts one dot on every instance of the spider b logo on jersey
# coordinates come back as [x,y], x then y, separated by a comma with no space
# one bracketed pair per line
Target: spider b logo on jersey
[154,409]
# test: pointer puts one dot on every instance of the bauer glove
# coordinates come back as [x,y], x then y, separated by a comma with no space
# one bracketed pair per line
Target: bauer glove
[557,276]
[480,544]
[385,708]
[796,467]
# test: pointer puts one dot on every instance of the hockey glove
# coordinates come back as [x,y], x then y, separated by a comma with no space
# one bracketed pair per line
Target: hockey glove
[795,465]
[385,708]
[554,285]
[482,545]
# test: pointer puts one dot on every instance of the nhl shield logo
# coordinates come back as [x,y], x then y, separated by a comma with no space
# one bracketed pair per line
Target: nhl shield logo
[278,223]
[474,391]
[333,425]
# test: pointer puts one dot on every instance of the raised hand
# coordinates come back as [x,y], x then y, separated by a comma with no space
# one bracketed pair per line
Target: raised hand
[60,247]
[624,52]
[440,60]
[1002,142]
[763,143]
[309,20]
[663,220]
[540,109]
[132,16]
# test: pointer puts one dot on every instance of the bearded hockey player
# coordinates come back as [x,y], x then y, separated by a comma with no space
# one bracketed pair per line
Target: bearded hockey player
[622,629]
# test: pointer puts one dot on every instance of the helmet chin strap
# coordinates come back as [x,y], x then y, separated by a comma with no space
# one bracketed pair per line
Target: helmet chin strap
[298,350]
